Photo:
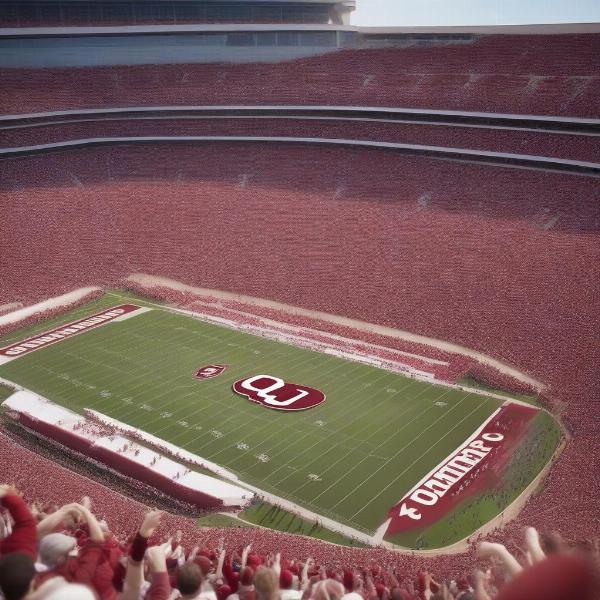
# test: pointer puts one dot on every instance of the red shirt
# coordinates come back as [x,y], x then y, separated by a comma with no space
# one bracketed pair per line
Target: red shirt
[24,534]
[83,568]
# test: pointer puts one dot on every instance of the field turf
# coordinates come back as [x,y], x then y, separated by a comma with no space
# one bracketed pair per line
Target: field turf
[351,458]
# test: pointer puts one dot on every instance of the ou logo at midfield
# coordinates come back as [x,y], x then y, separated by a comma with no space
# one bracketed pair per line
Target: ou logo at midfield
[274,392]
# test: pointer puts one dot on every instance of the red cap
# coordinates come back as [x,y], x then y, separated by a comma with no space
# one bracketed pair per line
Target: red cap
[254,560]
[223,591]
[204,563]
[247,576]
[286,579]
[380,588]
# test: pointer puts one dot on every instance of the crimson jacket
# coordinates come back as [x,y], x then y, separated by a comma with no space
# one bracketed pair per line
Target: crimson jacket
[24,534]
[79,569]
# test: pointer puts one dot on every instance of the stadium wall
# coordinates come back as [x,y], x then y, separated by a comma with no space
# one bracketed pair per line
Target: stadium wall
[99,443]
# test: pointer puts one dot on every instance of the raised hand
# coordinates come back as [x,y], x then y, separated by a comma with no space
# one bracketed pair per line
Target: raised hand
[150,523]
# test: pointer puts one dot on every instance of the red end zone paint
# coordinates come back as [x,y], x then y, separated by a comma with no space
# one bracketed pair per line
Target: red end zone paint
[65,331]
[274,392]
[476,466]
[209,371]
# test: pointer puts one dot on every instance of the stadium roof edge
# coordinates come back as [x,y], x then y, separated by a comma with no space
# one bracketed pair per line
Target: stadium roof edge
[534,29]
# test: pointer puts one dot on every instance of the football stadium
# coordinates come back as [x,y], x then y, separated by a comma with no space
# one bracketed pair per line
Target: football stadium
[296,308]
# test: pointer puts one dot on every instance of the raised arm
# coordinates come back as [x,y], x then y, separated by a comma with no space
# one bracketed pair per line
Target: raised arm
[479,586]
[49,523]
[245,556]
[219,571]
[160,589]
[23,537]
[134,576]
[304,583]
[277,564]
[489,549]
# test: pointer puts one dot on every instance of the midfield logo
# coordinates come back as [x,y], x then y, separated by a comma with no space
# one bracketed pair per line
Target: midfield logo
[274,392]
[209,371]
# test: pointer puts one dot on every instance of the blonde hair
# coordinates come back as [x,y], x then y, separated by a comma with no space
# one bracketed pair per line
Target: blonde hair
[328,589]
[266,584]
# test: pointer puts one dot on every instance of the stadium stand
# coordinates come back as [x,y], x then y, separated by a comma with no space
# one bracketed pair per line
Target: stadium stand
[354,189]
[534,74]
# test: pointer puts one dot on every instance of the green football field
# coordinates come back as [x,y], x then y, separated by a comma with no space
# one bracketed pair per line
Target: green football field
[350,458]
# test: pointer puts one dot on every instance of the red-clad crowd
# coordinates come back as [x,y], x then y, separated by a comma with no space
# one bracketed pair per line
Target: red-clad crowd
[501,261]
[68,553]
[530,74]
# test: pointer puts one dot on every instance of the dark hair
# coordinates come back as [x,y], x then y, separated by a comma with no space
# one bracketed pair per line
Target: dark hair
[189,578]
[16,572]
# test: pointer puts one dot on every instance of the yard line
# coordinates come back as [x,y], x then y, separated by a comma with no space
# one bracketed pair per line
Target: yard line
[301,438]
[189,416]
[277,432]
[397,453]
[361,416]
[359,463]
[415,461]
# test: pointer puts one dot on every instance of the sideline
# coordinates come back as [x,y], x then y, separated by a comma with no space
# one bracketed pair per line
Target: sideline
[155,280]
[57,301]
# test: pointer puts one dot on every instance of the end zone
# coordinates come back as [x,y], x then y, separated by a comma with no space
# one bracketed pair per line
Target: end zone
[116,313]
[476,465]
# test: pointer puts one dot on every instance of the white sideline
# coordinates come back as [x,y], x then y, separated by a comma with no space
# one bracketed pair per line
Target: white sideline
[161,444]
[333,336]
[139,311]
[64,300]
[317,346]
[78,426]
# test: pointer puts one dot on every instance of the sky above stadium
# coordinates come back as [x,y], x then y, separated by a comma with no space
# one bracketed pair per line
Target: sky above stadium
[380,13]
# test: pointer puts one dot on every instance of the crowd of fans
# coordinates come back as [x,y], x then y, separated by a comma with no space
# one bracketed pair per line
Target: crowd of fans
[383,207]
[67,553]
[531,74]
